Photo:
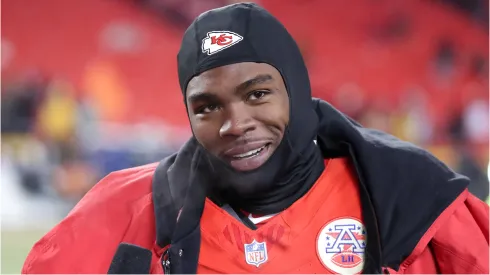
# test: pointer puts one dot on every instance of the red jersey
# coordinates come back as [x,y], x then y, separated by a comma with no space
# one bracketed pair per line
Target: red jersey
[314,235]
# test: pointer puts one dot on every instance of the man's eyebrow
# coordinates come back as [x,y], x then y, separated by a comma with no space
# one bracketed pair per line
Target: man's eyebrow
[261,78]
[201,96]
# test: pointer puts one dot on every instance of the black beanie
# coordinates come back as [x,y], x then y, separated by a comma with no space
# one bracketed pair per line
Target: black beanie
[256,36]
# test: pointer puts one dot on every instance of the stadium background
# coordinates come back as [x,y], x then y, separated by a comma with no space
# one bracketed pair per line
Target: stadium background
[90,86]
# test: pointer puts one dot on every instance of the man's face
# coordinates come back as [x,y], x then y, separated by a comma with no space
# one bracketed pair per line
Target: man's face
[239,112]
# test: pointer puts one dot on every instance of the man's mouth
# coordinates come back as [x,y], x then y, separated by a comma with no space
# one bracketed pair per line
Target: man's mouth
[251,153]
[251,159]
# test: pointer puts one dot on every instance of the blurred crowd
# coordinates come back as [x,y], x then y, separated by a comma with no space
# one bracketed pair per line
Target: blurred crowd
[55,140]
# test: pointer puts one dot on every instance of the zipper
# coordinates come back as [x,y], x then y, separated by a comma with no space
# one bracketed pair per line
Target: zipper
[371,207]
[166,261]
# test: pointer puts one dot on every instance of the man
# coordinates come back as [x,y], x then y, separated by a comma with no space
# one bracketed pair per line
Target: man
[272,181]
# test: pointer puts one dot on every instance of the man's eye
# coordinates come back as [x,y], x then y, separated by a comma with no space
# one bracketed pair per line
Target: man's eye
[255,95]
[207,109]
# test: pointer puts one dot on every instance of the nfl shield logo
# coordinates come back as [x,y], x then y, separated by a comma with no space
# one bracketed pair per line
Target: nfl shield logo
[256,253]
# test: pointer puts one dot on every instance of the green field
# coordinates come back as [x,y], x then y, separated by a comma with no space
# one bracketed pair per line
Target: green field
[15,247]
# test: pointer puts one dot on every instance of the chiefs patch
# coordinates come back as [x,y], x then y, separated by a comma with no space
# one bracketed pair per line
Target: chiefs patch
[341,244]
[217,41]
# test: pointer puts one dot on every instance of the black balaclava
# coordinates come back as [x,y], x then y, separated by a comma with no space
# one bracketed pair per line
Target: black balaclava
[256,36]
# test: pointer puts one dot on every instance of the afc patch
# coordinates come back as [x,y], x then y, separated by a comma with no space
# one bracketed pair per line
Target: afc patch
[256,253]
[341,244]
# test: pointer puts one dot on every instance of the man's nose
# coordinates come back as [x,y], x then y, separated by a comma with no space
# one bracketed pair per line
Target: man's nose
[238,121]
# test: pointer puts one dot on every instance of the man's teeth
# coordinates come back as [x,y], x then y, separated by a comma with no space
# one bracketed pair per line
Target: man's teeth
[249,153]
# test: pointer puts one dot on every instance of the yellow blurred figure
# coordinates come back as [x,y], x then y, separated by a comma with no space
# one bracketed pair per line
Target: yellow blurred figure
[58,112]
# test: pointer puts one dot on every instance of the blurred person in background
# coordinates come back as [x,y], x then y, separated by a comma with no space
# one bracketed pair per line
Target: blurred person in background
[40,121]
[464,159]
[58,125]
[21,100]
[268,171]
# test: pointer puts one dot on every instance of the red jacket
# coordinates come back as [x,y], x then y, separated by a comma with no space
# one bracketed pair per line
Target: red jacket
[120,209]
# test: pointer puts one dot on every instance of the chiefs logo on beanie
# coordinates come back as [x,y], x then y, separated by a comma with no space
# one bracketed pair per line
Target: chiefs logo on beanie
[217,41]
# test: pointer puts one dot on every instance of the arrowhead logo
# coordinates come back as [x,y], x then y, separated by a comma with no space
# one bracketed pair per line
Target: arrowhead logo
[217,41]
